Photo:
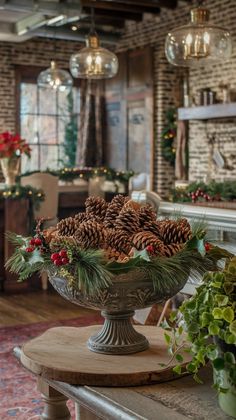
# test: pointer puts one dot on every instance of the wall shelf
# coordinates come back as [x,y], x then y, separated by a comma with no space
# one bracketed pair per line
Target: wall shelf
[208,112]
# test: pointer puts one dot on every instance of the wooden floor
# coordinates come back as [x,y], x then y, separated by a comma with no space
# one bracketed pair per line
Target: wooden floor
[36,307]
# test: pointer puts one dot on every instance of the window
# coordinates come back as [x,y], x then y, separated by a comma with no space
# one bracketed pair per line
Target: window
[48,120]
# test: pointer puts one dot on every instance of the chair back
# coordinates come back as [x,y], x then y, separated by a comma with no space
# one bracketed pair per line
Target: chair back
[49,184]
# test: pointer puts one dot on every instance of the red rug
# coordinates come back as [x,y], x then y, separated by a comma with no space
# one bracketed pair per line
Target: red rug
[19,397]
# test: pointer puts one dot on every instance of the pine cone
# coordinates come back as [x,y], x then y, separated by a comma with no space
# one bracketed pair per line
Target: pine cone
[174,232]
[142,239]
[67,227]
[90,234]
[113,210]
[49,234]
[172,249]
[127,220]
[113,254]
[96,206]
[146,216]
[58,242]
[118,240]
[82,217]
[132,205]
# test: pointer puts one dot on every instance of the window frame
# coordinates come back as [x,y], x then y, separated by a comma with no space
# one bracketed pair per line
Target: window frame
[29,74]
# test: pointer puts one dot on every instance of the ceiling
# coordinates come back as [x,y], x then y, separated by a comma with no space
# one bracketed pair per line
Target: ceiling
[71,19]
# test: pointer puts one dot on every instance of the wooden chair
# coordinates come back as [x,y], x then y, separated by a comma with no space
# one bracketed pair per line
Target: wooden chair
[49,207]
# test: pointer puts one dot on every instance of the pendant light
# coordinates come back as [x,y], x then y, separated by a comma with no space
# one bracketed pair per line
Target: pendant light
[93,61]
[199,42]
[55,78]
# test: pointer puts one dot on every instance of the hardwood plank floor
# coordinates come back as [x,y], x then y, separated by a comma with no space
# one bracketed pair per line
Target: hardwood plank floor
[37,307]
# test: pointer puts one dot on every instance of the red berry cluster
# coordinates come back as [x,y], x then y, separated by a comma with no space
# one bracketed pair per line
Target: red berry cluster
[34,243]
[197,194]
[150,249]
[60,258]
[207,246]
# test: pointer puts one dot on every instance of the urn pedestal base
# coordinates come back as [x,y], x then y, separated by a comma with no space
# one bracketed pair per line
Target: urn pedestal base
[118,335]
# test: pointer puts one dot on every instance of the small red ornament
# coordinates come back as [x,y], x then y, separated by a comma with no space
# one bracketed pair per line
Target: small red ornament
[65,261]
[63,253]
[32,241]
[58,262]
[150,248]
[55,256]
[38,241]
[207,246]
[30,249]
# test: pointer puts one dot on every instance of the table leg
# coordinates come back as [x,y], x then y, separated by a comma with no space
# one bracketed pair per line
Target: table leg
[55,407]
[83,414]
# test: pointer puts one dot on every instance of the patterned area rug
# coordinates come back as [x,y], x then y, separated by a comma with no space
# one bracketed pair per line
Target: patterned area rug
[19,397]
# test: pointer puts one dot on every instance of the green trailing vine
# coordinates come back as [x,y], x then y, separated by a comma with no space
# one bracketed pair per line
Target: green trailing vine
[205,326]
[168,136]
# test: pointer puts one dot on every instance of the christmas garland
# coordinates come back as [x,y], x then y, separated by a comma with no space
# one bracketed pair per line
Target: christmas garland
[17,192]
[69,174]
[201,192]
[92,248]
[168,136]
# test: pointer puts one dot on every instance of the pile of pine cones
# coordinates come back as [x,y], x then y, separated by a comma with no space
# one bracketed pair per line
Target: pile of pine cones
[119,226]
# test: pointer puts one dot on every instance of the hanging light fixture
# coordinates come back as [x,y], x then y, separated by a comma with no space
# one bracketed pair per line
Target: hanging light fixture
[198,42]
[55,78]
[93,61]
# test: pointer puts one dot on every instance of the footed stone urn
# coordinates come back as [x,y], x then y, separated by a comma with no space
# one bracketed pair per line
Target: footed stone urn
[10,169]
[130,291]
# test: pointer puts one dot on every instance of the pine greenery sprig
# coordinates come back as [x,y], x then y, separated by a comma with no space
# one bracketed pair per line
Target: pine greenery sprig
[88,272]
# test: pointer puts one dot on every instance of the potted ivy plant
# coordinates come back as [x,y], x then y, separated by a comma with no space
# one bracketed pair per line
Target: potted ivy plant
[208,320]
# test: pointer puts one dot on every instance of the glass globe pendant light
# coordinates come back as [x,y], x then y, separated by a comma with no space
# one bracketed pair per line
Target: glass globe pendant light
[93,61]
[55,78]
[199,42]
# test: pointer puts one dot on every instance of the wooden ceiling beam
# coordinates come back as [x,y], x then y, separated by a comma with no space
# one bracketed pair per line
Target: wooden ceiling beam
[168,4]
[110,15]
[121,6]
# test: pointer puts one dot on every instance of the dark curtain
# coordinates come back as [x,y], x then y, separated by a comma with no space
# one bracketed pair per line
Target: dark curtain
[91,134]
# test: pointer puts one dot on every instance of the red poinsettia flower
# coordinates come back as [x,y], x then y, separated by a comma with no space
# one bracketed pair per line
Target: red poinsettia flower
[12,145]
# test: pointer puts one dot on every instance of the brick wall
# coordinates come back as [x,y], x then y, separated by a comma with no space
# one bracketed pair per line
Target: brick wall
[152,32]
[37,52]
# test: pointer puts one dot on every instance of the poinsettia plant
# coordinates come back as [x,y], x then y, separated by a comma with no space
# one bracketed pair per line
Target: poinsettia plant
[12,145]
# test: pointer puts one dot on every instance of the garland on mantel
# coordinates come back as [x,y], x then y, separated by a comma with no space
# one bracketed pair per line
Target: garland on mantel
[201,192]
[69,174]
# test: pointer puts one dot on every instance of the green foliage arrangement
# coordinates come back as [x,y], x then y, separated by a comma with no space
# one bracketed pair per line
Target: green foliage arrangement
[208,320]
[168,136]
[90,271]
[200,191]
